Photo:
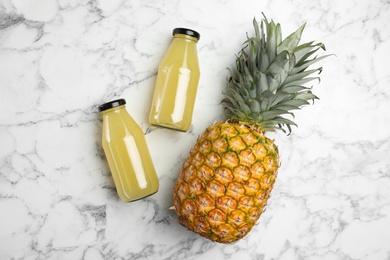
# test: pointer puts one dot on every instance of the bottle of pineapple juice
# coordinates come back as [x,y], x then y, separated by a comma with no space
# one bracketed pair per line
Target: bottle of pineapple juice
[177,82]
[127,153]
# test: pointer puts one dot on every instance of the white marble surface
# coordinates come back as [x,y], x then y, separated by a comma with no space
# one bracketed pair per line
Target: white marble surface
[60,59]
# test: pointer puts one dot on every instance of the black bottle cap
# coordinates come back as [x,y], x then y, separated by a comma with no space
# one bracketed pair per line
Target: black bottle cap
[112,104]
[186,31]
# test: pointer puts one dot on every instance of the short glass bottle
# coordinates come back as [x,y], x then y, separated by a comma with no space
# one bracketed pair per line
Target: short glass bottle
[127,153]
[177,82]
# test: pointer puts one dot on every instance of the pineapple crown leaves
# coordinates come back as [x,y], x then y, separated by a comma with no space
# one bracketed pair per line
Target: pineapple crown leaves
[269,79]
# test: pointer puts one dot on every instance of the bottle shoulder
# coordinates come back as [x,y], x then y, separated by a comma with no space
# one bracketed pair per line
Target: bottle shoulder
[180,56]
[120,121]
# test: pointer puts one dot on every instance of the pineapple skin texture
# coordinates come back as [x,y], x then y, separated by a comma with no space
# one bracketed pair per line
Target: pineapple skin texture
[226,181]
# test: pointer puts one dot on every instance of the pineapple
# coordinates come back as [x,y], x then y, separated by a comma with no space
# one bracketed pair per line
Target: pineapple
[227,179]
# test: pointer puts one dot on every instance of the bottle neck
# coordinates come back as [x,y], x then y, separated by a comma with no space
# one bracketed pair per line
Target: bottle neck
[185,37]
[114,109]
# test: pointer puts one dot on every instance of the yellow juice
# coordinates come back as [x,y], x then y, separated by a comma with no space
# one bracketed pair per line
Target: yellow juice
[177,83]
[127,153]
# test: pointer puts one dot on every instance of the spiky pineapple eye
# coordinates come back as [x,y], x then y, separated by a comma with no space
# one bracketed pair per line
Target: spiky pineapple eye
[224,174]
[189,172]
[220,144]
[198,159]
[236,143]
[197,186]
[228,131]
[214,133]
[183,190]
[213,159]
[255,213]
[201,225]
[205,172]
[247,157]
[252,186]
[260,150]
[205,147]
[260,196]
[242,173]
[226,203]
[243,230]
[235,189]
[205,200]
[249,138]
[230,159]
[224,230]
[216,216]
[257,170]
[205,203]
[237,217]
[267,181]
[268,162]
[189,208]
[246,202]
[215,188]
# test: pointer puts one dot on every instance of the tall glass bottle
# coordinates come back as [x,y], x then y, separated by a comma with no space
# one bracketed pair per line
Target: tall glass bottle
[177,82]
[127,153]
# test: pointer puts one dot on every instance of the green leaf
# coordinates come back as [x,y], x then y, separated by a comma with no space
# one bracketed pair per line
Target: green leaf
[279,97]
[303,45]
[252,57]
[291,42]
[231,73]
[261,83]
[236,95]
[244,107]
[252,40]
[280,63]
[271,41]
[286,107]
[306,96]
[278,70]
[278,34]
[253,90]
[304,51]
[255,106]
[248,76]
[236,112]
[300,75]
[272,84]
[273,113]
[256,26]
[229,101]
[280,67]
[294,89]
[282,120]
[305,57]
[307,64]
[255,116]
[264,60]
[243,91]
[262,31]
[267,94]
[295,103]
[264,104]
[300,82]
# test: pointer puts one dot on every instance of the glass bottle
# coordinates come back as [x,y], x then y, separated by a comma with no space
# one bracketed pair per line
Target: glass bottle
[127,153]
[177,82]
